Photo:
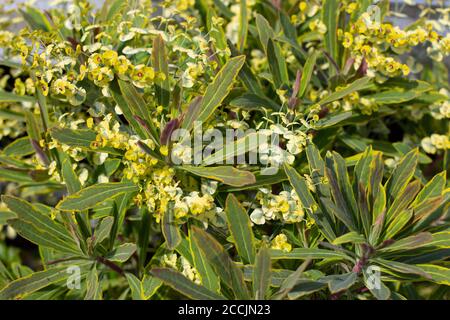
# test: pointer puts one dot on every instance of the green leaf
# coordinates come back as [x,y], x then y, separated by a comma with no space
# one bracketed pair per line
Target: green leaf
[411,242]
[435,187]
[70,178]
[33,225]
[225,174]
[11,97]
[93,286]
[402,200]
[332,120]
[169,227]
[137,292]
[402,174]
[35,19]
[122,253]
[91,196]
[330,17]
[401,267]
[261,274]
[160,64]
[352,87]
[351,237]
[216,92]
[439,274]
[183,285]
[233,149]
[308,202]
[209,279]
[20,288]
[398,223]
[307,73]
[102,231]
[150,285]
[342,282]
[221,262]
[128,111]
[277,64]
[243,25]
[19,147]
[81,138]
[308,253]
[241,229]
[251,101]
[265,31]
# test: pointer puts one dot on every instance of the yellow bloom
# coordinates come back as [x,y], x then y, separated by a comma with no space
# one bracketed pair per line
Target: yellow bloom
[280,243]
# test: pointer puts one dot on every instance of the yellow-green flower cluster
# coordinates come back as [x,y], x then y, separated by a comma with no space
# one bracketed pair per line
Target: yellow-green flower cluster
[435,142]
[138,164]
[284,206]
[280,242]
[371,40]
[172,260]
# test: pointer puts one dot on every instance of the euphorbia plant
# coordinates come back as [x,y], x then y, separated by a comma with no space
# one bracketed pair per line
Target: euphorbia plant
[138,162]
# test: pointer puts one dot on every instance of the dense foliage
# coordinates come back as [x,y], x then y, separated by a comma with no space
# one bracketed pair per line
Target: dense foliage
[99,201]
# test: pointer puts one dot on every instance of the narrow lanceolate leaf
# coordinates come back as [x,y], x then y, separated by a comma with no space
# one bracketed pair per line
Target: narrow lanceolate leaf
[341,93]
[308,202]
[398,223]
[265,31]
[330,17]
[93,286]
[137,292]
[160,64]
[138,107]
[243,25]
[39,228]
[225,174]
[277,64]
[19,147]
[261,274]
[251,101]
[438,274]
[308,253]
[73,184]
[402,174]
[236,148]
[122,253]
[75,138]
[127,110]
[307,73]
[150,285]
[401,267]
[342,282]
[91,196]
[411,242]
[352,237]
[180,283]
[103,230]
[241,229]
[11,97]
[20,288]
[402,200]
[170,228]
[81,138]
[217,91]
[209,278]
[224,267]
[433,188]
